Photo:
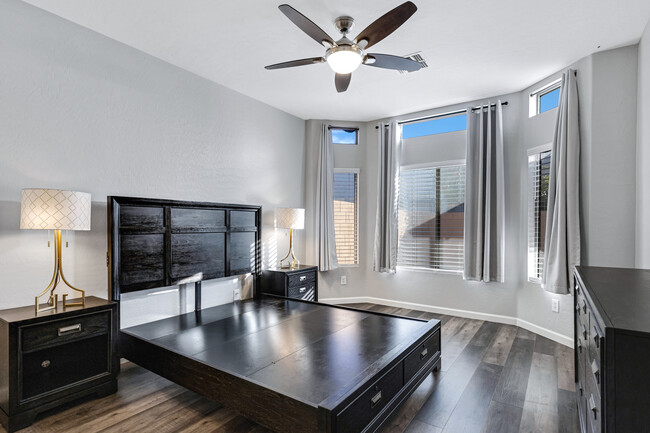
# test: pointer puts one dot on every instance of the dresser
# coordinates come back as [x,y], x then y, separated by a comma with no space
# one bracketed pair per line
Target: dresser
[297,283]
[612,349]
[55,357]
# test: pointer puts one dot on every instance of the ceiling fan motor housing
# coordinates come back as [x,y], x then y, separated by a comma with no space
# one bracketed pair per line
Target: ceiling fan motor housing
[344,24]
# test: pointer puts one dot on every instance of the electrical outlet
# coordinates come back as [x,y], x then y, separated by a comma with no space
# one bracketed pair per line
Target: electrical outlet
[344,280]
[555,305]
[236,294]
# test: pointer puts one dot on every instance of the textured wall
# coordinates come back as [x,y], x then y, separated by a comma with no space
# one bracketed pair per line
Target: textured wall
[80,111]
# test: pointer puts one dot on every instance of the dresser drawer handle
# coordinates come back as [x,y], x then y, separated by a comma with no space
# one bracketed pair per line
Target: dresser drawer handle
[45,363]
[376,399]
[303,289]
[303,277]
[584,306]
[584,332]
[424,353]
[592,406]
[69,329]
[596,371]
[596,338]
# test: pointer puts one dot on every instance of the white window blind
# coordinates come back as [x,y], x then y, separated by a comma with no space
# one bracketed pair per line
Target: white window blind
[431,218]
[346,216]
[538,175]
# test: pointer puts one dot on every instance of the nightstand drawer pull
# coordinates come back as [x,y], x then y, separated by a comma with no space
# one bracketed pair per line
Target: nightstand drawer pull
[303,289]
[376,399]
[45,363]
[424,353]
[303,277]
[69,329]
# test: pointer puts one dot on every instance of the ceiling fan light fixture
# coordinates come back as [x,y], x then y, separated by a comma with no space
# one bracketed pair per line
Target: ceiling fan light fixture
[344,59]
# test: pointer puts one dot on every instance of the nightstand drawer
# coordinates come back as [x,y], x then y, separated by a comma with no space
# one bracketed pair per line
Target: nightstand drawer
[57,332]
[306,292]
[302,279]
[64,365]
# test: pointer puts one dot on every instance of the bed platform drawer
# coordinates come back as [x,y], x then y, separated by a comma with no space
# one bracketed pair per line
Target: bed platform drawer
[421,355]
[64,331]
[370,403]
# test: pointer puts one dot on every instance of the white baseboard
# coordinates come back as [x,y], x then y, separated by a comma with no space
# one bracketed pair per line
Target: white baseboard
[508,320]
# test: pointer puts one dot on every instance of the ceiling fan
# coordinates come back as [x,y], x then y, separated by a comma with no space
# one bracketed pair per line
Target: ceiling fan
[346,55]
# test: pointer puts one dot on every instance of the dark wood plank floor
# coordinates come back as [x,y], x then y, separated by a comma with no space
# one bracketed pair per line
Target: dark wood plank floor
[495,379]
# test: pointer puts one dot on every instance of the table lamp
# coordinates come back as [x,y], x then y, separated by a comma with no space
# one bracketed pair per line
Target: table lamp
[54,209]
[290,218]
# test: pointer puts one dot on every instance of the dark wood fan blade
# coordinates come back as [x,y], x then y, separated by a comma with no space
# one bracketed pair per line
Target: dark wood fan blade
[292,63]
[386,61]
[386,24]
[307,26]
[342,82]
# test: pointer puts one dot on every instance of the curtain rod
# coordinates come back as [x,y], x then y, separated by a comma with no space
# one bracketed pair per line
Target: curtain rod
[449,113]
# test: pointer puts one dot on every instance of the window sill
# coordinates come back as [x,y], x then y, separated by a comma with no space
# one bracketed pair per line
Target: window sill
[349,266]
[430,271]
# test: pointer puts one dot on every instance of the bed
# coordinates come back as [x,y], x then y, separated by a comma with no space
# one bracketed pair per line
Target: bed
[290,365]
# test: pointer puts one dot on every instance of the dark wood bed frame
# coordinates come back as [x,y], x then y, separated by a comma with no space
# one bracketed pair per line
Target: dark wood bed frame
[302,367]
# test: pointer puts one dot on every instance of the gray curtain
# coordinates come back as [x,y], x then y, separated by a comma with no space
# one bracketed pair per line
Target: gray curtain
[385,253]
[484,196]
[562,242]
[325,203]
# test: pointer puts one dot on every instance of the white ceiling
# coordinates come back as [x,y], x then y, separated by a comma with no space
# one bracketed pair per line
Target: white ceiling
[474,49]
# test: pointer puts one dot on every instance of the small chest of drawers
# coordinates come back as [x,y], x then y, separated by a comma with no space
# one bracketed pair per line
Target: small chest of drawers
[54,357]
[296,283]
[612,349]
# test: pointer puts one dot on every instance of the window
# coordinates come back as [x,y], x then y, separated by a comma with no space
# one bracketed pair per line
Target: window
[346,215]
[431,217]
[342,135]
[544,99]
[437,125]
[539,163]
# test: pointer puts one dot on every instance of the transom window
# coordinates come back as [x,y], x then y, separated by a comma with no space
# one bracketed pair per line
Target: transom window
[341,135]
[437,125]
[545,99]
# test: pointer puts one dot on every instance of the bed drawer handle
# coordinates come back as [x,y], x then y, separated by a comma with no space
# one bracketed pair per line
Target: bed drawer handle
[303,277]
[303,289]
[596,338]
[69,329]
[424,353]
[46,363]
[584,332]
[376,399]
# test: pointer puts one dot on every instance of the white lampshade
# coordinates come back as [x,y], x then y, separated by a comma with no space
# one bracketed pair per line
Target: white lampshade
[54,209]
[289,218]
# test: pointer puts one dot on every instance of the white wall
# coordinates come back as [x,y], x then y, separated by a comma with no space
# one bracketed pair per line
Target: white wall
[83,112]
[643,154]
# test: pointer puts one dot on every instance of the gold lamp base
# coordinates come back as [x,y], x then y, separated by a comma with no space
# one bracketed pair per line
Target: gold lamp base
[292,261]
[52,301]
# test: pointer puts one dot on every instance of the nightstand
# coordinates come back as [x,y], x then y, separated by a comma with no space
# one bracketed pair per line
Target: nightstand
[297,283]
[55,357]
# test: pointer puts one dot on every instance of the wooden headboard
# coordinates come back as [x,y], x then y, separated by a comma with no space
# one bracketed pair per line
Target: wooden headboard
[158,243]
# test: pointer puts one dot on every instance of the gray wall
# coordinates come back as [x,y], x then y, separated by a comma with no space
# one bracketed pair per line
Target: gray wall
[83,112]
[643,155]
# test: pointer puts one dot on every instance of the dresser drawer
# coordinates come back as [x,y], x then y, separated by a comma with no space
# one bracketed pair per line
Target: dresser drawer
[301,279]
[65,365]
[595,341]
[421,355]
[57,332]
[306,292]
[369,404]
[594,408]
